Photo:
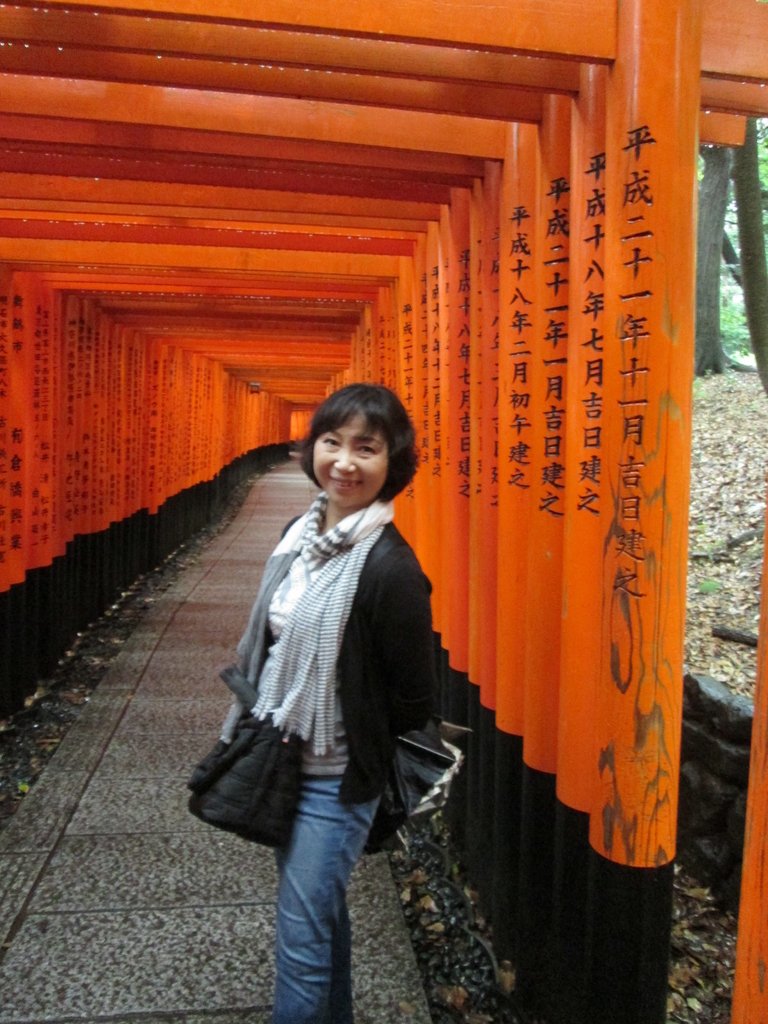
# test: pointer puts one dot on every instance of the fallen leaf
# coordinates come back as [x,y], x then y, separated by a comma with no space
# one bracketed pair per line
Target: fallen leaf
[455,996]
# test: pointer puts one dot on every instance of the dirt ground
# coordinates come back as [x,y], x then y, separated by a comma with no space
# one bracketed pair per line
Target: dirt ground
[726,537]
[728,489]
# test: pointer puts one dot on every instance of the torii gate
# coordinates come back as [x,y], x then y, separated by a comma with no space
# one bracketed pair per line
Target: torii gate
[538,319]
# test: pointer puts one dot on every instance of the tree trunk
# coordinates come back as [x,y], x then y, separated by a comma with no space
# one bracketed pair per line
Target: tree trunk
[731,258]
[713,200]
[754,273]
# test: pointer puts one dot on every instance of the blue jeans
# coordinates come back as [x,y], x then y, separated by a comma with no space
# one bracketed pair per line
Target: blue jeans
[313,983]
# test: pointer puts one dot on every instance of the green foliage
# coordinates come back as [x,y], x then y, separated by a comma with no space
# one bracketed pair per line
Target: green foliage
[733,322]
[709,586]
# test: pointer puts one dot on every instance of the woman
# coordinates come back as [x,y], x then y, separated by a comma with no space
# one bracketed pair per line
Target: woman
[340,645]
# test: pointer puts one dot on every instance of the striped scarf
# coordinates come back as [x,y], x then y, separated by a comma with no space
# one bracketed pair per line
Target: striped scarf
[298,682]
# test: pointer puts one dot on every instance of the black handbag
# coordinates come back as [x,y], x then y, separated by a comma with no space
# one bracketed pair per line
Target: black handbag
[422,768]
[252,785]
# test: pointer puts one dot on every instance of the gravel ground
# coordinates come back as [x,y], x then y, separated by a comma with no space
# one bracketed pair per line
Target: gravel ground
[462,979]
[728,491]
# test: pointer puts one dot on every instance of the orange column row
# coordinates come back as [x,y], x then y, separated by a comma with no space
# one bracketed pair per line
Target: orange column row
[97,422]
[543,351]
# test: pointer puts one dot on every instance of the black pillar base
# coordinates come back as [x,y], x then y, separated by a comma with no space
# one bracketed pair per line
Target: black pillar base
[630,918]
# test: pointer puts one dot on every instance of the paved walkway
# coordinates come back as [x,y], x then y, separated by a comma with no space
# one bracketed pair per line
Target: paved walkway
[115,903]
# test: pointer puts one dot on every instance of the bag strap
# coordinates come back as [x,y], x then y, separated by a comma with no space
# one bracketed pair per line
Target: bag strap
[239,685]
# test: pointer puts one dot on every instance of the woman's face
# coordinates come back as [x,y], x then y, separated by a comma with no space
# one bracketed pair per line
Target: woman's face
[351,464]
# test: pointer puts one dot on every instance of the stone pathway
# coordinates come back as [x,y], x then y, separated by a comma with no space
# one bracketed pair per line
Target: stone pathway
[115,903]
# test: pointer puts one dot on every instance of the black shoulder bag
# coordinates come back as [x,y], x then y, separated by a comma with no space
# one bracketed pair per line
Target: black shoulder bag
[252,785]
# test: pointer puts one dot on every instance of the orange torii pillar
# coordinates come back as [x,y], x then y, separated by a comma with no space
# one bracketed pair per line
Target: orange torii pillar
[484,436]
[545,412]
[386,336]
[750,993]
[460,421]
[584,529]
[517,230]
[455,420]
[406,385]
[652,105]
[417,390]
[481,453]
[430,421]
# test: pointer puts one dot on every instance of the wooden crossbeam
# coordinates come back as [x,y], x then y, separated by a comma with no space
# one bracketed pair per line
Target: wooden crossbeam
[246,151]
[201,286]
[733,43]
[103,164]
[475,99]
[371,161]
[204,197]
[160,234]
[192,40]
[568,27]
[205,110]
[149,256]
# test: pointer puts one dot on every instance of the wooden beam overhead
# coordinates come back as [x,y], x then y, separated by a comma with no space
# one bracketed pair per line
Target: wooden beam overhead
[581,29]
[257,289]
[205,110]
[128,211]
[105,164]
[733,37]
[182,257]
[205,197]
[722,129]
[722,96]
[244,45]
[160,234]
[442,168]
[470,99]
[243,179]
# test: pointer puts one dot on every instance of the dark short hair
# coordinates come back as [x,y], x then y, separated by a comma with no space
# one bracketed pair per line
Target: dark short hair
[382,411]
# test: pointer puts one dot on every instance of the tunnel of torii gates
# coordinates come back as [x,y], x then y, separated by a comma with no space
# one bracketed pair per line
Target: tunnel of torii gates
[209,222]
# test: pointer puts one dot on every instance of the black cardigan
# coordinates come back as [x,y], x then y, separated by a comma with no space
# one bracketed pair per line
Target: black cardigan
[386,663]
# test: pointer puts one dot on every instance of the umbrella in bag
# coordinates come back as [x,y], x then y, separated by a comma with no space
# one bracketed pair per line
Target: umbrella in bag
[423,766]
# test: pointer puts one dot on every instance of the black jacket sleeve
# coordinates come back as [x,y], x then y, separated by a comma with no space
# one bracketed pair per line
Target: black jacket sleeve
[403,642]
[387,663]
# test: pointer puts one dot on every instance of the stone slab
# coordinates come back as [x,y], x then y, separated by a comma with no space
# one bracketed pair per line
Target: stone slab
[18,874]
[179,682]
[100,965]
[180,961]
[386,981]
[168,717]
[114,806]
[138,755]
[125,671]
[81,750]
[206,614]
[135,872]
[102,710]
[85,742]
[192,656]
[218,590]
[44,813]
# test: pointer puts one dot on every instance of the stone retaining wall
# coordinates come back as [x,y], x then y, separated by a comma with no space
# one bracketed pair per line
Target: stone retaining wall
[717,728]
